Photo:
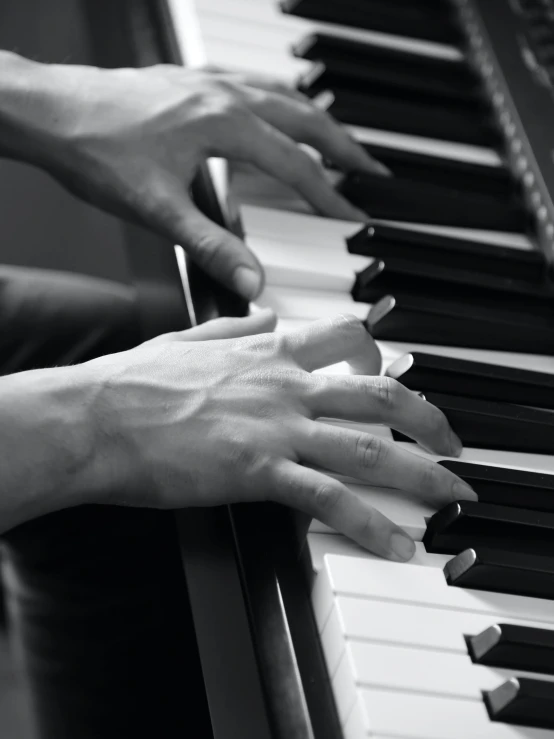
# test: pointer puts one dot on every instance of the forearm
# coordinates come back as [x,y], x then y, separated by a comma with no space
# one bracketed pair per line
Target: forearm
[31,106]
[47,443]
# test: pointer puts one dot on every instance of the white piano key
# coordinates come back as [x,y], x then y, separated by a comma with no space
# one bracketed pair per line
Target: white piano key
[385,580]
[424,671]
[424,145]
[321,543]
[345,690]
[390,713]
[285,264]
[405,511]
[299,303]
[291,28]
[423,627]
[298,229]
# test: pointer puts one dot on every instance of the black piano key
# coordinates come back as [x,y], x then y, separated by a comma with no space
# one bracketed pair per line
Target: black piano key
[467,525]
[439,170]
[379,240]
[426,321]
[504,486]
[433,21]
[485,424]
[411,277]
[429,372]
[515,647]
[380,76]
[427,118]
[406,200]
[350,63]
[523,702]
[502,572]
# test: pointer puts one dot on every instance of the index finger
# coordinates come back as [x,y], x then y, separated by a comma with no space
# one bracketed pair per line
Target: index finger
[329,341]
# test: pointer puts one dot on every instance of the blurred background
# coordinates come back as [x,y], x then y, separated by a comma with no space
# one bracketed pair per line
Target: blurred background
[43,226]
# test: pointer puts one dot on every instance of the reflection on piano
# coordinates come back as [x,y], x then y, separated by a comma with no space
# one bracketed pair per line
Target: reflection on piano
[303,634]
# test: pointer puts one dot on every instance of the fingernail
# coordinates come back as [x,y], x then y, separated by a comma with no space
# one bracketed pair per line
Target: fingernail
[402,546]
[247,282]
[462,491]
[456,445]
[379,168]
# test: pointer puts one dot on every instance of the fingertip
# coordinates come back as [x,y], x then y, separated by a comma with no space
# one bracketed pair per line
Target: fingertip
[247,282]
[376,167]
[402,547]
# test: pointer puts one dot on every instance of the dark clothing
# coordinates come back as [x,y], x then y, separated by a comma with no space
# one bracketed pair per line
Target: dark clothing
[96,595]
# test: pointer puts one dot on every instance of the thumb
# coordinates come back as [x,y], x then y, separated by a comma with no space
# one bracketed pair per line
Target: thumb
[221,254]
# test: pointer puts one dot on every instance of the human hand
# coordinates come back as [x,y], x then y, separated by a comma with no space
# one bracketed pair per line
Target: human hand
[215,422]
[131,141]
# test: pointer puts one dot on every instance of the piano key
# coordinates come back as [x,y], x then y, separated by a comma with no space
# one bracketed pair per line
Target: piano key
[522,701]
[517,647]
[410,669]
[502,572]
[428,373]
[444,630]
[346,62]
[390,713]
[441,170]
[405,200]
[505,486]
[416,585]
[381,109]
[429,321]
[437,147]
[465,525]
[489,424]
[411,278]
[379,240]
[434,23]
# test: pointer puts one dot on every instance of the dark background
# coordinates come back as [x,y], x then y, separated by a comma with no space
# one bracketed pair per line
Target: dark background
[42,225]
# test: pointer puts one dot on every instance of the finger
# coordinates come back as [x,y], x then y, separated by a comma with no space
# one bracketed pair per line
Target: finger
[259,143]
[218,252]
[307,124]
[331,502]
[330,341]
[262,82]
[380,462]
[262,322]
[385,401]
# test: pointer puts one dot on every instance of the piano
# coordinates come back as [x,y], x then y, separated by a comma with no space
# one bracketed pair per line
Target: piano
[301,634]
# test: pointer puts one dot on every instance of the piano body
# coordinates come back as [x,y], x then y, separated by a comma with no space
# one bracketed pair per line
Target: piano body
[301,633]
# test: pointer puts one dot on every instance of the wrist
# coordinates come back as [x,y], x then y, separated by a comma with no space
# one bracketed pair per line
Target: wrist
[49,443]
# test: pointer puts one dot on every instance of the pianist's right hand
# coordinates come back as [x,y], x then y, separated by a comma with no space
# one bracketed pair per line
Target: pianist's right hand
[175,423]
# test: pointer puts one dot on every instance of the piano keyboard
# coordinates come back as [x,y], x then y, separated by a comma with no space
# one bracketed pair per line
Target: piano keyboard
[397,638]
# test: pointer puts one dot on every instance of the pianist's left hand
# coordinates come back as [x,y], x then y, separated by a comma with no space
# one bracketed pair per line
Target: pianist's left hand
[131,141]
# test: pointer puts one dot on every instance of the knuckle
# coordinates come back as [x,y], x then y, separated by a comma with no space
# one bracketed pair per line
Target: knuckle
[326,497]
[428,480]
[387,390]
[370,451]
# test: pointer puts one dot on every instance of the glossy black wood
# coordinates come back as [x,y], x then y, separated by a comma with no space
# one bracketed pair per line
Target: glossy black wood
[441,170]
[424,320]
[522,701]
[396,199]
[505,486]
[428,19]
[355,65]
[467,525]
[514,647]
[434,119]
[379,240]
[485,424]
[435,373]
[502,572]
